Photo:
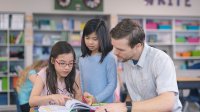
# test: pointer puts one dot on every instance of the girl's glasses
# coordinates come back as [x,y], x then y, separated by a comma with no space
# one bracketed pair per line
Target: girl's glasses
[63,64]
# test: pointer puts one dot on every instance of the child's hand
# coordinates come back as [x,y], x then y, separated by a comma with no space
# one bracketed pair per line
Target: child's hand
[88,98]
[112,107]
[60,99]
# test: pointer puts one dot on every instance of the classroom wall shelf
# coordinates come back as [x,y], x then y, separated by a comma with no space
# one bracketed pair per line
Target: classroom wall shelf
[49,28]
[11,54]
[177,36]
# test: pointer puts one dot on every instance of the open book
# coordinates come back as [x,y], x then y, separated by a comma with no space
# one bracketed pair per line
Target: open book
[70,105]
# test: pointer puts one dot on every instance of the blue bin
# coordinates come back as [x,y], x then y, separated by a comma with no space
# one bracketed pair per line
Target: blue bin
[4,99]
[192,27]
[165,27]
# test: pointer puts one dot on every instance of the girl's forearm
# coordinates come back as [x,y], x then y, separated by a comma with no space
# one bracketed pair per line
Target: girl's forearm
[39,100]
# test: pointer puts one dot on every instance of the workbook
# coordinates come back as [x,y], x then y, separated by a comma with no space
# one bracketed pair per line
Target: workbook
[70,105]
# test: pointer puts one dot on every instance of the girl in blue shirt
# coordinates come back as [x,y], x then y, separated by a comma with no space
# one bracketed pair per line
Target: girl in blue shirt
[98,67]
[25,83]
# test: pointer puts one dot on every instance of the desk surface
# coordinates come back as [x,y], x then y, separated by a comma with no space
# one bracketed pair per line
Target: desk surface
[35,109]
[188,82]
[185,79]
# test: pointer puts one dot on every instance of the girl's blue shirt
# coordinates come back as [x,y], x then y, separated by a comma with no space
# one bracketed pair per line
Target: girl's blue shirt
[25,89]
[99,79]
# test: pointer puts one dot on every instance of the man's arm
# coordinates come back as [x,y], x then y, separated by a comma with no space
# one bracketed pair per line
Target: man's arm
[162,103]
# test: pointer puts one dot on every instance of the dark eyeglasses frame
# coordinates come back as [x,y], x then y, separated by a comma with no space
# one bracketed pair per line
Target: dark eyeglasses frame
[66,64]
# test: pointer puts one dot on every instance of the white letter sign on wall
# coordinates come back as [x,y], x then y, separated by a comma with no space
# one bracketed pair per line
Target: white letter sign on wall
[186,3]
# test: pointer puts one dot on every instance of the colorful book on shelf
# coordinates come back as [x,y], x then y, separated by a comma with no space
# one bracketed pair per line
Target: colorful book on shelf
[53,25]
[0,84]
[151,25]
[70,105]
[14,82]
[4,83]
[3,58]
[71,24]
[75,39]
[19,38]
[4,99]
[65,24]
[82,25]
[3,39]
[4,21]
[77,25]
[44,24]
[17,21]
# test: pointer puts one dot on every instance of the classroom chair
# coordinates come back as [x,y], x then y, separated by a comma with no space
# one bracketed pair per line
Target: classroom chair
[193,97]
[17,100]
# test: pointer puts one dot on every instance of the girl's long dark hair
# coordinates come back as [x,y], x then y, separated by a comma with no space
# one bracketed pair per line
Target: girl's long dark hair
[99,27]
[59,48]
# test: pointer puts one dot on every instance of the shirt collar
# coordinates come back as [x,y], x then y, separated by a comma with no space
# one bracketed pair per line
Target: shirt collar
[135,61]
[141,61]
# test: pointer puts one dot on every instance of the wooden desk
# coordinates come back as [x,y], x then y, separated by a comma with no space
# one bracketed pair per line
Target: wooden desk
[183,79]
[188,82]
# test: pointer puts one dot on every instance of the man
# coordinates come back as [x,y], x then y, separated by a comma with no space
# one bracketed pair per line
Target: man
[149,72]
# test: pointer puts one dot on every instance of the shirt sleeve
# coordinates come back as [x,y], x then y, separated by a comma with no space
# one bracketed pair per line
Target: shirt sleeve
[111,68]
[42,74]
[165,74]
[32,72]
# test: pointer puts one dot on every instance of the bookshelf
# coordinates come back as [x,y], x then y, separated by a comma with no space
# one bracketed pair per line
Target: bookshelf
[49,28]
[11,55]
[187,42]
[179,37]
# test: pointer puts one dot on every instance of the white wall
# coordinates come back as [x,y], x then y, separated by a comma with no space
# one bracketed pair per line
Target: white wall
[114,7]
[139,7]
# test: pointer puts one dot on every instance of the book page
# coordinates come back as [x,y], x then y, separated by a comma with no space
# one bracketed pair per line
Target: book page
[70,105]
[75,104]
[53,108]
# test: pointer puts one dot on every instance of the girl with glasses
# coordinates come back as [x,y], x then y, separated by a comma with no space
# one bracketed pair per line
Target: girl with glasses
[58,82]
[98,68]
